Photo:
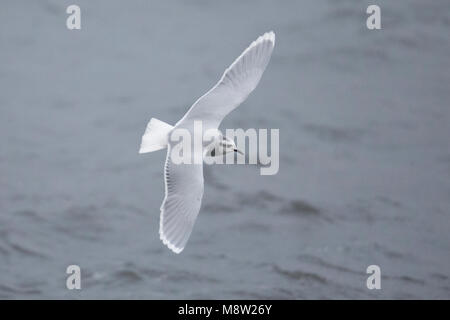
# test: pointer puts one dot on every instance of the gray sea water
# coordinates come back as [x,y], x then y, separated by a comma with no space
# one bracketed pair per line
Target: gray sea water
[364,119]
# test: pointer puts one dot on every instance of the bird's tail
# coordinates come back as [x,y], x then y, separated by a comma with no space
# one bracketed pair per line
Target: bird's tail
[156,136]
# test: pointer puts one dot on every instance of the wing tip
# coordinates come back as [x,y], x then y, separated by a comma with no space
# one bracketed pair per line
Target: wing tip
[164,239]
[268,36]
[169,244]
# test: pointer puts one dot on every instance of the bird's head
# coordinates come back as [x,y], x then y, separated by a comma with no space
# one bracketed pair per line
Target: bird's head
[223,145]
[228,145]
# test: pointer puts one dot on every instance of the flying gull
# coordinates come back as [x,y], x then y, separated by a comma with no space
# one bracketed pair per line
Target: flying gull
[184,182]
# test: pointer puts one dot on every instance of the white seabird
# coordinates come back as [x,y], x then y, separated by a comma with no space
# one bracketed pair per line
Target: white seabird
[184,182]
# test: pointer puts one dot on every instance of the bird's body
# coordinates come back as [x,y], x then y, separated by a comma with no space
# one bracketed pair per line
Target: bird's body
[184,181]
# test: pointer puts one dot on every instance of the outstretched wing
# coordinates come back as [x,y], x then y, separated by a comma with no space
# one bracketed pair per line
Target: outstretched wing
[184,191]
[184,182]
[236,83]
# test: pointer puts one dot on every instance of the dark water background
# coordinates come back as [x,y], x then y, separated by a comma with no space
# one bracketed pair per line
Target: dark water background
[364,174]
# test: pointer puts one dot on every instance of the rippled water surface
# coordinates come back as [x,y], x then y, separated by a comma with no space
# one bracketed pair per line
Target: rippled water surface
[364,173]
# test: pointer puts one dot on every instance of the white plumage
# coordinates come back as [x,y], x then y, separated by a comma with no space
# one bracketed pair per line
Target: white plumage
[184,182]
